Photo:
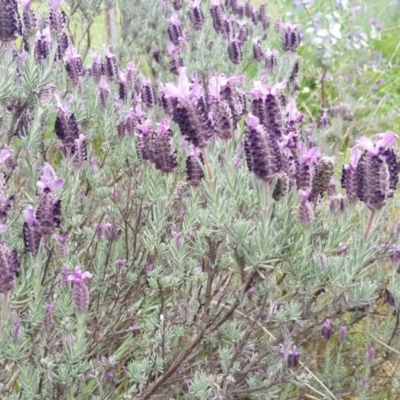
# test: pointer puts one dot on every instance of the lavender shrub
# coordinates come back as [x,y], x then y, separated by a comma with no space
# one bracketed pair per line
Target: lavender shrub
[221,257]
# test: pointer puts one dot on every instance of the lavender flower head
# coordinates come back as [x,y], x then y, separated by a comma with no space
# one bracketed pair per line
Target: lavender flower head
[73,64]
[349,175]
[377,170]
[263,155]
[327,329]
[293,357]
[31,231]
[190,111]
[81,292]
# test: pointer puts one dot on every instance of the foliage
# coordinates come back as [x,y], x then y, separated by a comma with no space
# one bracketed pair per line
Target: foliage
[130,278]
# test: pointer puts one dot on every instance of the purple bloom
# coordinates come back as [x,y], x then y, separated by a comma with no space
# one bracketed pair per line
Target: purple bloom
[349,175]
[306,213]
[73,64]
[262,151]
[293,357]
[31,233]
[342,334]
[10,24]
[177,237]
[371,355]
[65,272]
[78,277]
[327,329]
[377,170]
[49,179]
[9,266]
[135,328]
[236,162]
[62,246]
[49,321]
[164,154]
[81,292]
[104,91]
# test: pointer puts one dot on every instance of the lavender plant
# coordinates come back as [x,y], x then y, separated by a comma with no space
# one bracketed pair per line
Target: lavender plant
[171,229]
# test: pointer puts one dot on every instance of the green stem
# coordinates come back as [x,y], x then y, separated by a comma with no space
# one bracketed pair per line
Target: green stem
[370,224]
[266,198]
[5,309]
[208,167]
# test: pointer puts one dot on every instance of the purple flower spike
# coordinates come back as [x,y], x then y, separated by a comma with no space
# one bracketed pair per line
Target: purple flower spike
[349,175]
[9,265]
[196,15]
[371,355]
[293,357]
[327,330]
[235,52]
[342,334]
[28,16]
[306,213]
[377,170]
[10,24]
[49,179]
[290,37]
[194,170]
[57,22]
[80,151]
[175,30]
[42,45]
[73,64]
[62,246]
[81,291]
[31,232]
[110,67]
[49,321]
[262,151]
[104,91]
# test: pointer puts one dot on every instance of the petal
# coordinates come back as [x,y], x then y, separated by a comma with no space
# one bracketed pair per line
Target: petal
[3,228]
[87,275]
[385,140]
[355,155]
[4,155]
[366,144]
[252,121]
[56,184]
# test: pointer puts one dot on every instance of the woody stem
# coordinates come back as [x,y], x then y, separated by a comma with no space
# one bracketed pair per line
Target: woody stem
[5,308]
[266,198]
